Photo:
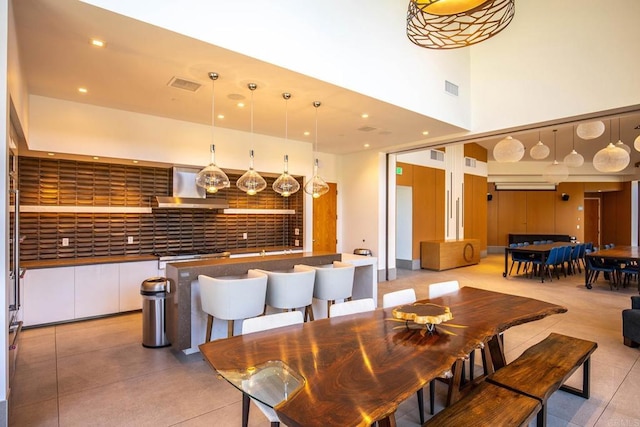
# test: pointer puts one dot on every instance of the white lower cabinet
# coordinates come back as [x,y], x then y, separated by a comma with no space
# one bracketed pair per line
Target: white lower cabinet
[97,290]
[48,295]
[132,274]
[66,293]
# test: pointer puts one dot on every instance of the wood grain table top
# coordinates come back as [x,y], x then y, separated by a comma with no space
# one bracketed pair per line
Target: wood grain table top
[359,368]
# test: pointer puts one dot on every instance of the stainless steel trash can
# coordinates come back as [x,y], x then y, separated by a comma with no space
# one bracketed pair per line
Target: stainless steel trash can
[155,291]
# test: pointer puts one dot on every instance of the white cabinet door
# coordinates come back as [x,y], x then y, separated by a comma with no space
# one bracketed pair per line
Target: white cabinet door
[132,274]
[97,290]
[48,295]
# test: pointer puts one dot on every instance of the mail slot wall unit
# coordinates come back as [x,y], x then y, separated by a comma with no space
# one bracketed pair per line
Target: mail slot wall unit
[444,255]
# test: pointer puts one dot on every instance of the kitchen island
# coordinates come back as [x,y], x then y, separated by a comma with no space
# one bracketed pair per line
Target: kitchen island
[186,321]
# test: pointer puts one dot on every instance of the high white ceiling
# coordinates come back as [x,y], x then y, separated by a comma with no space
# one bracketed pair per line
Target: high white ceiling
[133,71]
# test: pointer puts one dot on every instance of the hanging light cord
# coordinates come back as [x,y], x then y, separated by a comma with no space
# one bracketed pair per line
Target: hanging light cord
[555,153]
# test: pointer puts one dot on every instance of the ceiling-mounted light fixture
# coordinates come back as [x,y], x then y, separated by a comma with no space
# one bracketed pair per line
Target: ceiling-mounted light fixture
[251,182]
[611,158]
[636,143]
[590,130]
[286,185]
[621,144]
[556,172]
[574,159]
[212,178]
[316,186]
[509,150]
[539,151]
[446,24]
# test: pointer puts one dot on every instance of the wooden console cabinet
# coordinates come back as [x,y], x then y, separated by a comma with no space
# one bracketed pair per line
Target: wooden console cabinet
[443,255]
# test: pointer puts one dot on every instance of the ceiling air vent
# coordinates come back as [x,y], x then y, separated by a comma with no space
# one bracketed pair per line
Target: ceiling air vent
[437,155]
[470,162]
[450,88]
[366,128]
[184,84]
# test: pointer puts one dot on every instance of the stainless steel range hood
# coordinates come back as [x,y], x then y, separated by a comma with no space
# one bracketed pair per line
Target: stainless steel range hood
[187,195]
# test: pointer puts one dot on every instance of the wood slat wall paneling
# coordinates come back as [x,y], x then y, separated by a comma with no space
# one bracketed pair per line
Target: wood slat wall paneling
[54,182]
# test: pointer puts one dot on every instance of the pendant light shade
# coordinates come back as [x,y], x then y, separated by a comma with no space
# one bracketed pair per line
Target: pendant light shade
[316,186]
[636,143]
[286,185]
[590,130]
[611,159]
[251,182]
[556,172]
[508,150]
[574,159]
[624,146]
[539,151]
[212,178]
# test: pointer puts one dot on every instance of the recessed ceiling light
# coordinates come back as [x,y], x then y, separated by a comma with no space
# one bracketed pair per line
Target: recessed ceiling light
[135,161]
[367,145]
[97,43]
[364,115]
[82,90]
[307,133]
[221,116]
[96,158]
[50,154]
[425,132]
[240,104]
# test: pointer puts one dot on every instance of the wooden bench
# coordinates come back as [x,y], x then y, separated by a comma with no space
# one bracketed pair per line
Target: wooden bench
[543,368]
[488,405]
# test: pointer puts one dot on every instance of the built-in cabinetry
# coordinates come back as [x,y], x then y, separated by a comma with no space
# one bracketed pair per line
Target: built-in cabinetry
[443,255]
[66,293]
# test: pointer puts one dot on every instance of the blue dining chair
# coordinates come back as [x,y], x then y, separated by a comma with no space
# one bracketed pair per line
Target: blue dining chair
[595,266]
[520,258]
[545,267]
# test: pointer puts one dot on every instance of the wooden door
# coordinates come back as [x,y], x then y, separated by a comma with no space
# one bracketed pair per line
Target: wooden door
[325,217]
[592,221]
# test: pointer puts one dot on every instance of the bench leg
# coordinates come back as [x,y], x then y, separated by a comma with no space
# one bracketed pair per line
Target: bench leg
[245,409]
[421,405]
[432,396]
[586,367]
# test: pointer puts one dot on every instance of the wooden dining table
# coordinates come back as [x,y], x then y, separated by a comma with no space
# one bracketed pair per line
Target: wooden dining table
[357,369]
[538,251]
[616,255]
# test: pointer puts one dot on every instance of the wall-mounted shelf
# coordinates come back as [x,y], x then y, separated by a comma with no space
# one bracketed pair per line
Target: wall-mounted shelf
[83,209]
[260,211]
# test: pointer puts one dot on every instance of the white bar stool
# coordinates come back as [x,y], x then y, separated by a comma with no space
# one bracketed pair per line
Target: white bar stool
[288,290]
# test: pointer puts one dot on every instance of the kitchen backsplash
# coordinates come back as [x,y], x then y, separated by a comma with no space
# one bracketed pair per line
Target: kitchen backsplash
[51,182]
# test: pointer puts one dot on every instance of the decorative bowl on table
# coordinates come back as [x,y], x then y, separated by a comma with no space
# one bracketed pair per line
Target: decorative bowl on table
[425,315]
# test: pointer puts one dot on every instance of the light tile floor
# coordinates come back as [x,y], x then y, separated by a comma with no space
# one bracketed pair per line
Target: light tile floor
[97,373]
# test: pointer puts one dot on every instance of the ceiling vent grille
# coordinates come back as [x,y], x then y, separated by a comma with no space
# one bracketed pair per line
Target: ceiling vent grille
[437,155]
[450,88]
[184,84]
[470,162]
[366,128]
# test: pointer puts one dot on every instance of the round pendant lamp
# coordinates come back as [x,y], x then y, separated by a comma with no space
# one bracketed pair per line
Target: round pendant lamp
[556,172]
[611,159]
[574,159]
[539,151]
[636,143]
[590,130]
[316,186]
[212,178]
[509,150]
[286,185]
[251,182]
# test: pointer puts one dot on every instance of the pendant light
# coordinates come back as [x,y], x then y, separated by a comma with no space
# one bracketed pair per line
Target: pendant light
[212,178]
[611,158]
[590,130]
[539,151]
[509,150]
[636,143]
[574,159]
[621,144]
[556,172]
[316,186]
[251,182]
[286,185]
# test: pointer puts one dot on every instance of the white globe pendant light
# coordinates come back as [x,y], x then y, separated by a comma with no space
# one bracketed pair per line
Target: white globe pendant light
[509,150]
[574,159]
[556,172]
[636,143]
[612,158]
[590,130]
[539,151]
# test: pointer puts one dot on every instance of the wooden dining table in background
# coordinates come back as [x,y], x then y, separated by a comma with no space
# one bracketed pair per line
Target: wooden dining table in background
[616,255]
[358,369]
[539,251]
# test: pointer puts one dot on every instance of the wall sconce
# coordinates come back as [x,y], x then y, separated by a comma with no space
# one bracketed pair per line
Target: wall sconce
[565,197]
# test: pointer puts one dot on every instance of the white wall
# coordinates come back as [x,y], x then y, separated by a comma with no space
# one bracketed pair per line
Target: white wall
[556,59]
[337,41]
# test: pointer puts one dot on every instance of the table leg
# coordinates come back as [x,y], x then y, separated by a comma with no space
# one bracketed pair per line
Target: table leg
[543,260]
[506,261]
[388,421]
[496,349]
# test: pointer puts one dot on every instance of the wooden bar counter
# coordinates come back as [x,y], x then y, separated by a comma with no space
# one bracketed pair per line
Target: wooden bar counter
[182,275]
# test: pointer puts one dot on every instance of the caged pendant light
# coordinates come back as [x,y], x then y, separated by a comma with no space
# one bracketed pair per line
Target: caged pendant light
[212,178]
[251,182]
[574,159]
[286,185]
[316,186]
